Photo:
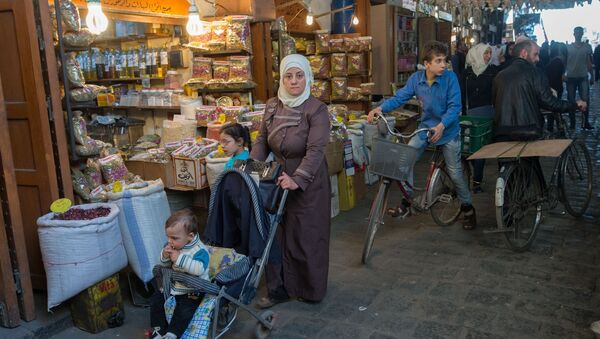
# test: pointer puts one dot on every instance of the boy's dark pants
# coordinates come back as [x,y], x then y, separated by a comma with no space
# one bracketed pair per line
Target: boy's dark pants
[182,315]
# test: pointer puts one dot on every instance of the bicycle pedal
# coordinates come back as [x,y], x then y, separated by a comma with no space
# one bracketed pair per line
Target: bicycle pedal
[445,198]
[498,230]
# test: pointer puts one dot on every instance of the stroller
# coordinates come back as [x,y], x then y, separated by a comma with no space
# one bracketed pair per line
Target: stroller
[238,218]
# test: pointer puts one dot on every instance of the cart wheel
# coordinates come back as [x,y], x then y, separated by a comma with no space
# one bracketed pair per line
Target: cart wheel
[262,331]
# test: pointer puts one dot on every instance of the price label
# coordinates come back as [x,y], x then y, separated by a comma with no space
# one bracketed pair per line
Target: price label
[117,187]
[253,135]
[352,117]
[60,205]
[222,118]
[339,119]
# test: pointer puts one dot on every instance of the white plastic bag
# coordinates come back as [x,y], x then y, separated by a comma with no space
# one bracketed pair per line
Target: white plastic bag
[214,167]
[79,253]
[142,220]
[358,146]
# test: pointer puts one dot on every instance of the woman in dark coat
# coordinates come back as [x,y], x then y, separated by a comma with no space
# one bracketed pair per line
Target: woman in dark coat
[476,86]
[296,129]
[555,71]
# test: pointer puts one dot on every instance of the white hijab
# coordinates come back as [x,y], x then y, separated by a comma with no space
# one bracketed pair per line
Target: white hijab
[475,58]
[299,61]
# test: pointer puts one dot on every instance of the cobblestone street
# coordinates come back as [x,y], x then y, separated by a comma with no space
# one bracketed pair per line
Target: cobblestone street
[425,281]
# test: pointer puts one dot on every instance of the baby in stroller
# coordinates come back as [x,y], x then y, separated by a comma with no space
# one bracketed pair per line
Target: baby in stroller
[184,252]
[243,231]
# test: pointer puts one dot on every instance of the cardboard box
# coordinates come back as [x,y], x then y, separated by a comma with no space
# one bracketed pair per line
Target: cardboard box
[99,307]
[152,170]
[360,187]
[346,190]
[334,153]
[260,10]
[189,173]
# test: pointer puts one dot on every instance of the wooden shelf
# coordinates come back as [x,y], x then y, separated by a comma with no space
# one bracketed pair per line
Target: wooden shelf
[228,52]
[87,106]
[122,80]
[132,38]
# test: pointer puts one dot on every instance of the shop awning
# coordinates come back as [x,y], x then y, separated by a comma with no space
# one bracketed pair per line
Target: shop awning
[508,4]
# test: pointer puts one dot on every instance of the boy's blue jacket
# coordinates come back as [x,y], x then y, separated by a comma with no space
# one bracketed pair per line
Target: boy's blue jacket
[441,102]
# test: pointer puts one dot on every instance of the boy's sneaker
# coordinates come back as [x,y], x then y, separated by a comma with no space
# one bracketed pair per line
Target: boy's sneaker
[469,217]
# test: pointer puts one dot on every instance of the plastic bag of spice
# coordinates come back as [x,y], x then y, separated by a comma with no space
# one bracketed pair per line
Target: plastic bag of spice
[79,128]
[339,88]
[367,88]
[218,35]
[239,69]
[202,69]
[319,65]
[83,38]
[321,90]
[113,168]
[238,32]
[365,43]
[311,47]
[220,70]
[86,93]
[74,72]
[339,65]
[322,42]
[93,173]
[70,15]
[336,45]
[356,63]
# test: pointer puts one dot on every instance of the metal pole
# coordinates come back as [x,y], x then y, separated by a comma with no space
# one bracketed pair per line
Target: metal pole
[65,81]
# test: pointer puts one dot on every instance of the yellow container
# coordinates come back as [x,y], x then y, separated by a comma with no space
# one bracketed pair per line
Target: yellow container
[347,193]
[99,307]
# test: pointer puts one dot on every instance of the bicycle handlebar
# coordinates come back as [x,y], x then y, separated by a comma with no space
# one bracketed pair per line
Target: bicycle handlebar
[405,136]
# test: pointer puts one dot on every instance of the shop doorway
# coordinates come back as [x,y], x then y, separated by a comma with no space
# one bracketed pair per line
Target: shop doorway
[28,154]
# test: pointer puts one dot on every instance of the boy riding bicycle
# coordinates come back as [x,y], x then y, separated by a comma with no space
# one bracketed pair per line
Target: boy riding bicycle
[439,92]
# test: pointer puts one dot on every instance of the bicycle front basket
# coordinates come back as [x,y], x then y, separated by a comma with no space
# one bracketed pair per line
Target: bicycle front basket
[391,159]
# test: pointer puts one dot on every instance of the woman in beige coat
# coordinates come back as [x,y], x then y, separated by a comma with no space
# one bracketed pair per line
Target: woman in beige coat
[296,129]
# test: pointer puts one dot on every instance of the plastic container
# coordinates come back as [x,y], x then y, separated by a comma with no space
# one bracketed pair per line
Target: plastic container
[475,132]
[188,107]
[173,80]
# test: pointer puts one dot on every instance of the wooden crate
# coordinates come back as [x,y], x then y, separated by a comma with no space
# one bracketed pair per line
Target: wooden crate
[99,307]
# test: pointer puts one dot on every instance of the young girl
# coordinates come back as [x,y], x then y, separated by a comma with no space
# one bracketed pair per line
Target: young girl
[235,140]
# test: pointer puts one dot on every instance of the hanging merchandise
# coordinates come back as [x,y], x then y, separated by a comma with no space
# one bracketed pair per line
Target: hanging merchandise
[321,90]
[82,38]
[339,88]
[239,69]
[339,65]
[320,66]
[70,15]
[74,73]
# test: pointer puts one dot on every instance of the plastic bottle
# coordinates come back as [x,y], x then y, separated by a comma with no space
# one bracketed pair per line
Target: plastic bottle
[148,61]
[141,69]
[99,59]
[164,62]
[112,64]
[155,61]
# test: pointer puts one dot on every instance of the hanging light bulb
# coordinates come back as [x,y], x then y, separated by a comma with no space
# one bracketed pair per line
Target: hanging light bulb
[95,18]
[309,17]
[194,25]
[354,20]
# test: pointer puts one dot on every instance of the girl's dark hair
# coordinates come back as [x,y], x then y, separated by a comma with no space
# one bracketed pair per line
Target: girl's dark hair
[237,131]
[185,217]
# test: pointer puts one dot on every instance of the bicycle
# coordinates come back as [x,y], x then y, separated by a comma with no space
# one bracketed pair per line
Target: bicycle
[392,161]
[522,191]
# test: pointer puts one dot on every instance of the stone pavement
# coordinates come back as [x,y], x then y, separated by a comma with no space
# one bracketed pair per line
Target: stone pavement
[426,281]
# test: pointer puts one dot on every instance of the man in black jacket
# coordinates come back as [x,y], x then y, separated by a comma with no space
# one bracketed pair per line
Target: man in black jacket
[518,93]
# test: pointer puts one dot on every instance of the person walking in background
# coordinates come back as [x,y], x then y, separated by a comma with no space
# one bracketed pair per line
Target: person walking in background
[459,58]
[578,62]
[597,62]
[555,71]
[476,88]
[507,56]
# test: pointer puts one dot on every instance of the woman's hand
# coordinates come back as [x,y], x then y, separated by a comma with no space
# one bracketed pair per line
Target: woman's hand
[286,182]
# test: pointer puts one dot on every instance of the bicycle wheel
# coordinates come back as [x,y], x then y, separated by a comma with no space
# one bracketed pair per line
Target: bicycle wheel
[445,204]
[375,219]
[575,179]
[519,199]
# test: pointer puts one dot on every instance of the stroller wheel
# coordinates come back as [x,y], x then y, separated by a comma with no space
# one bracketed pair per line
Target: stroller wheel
[262,330]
